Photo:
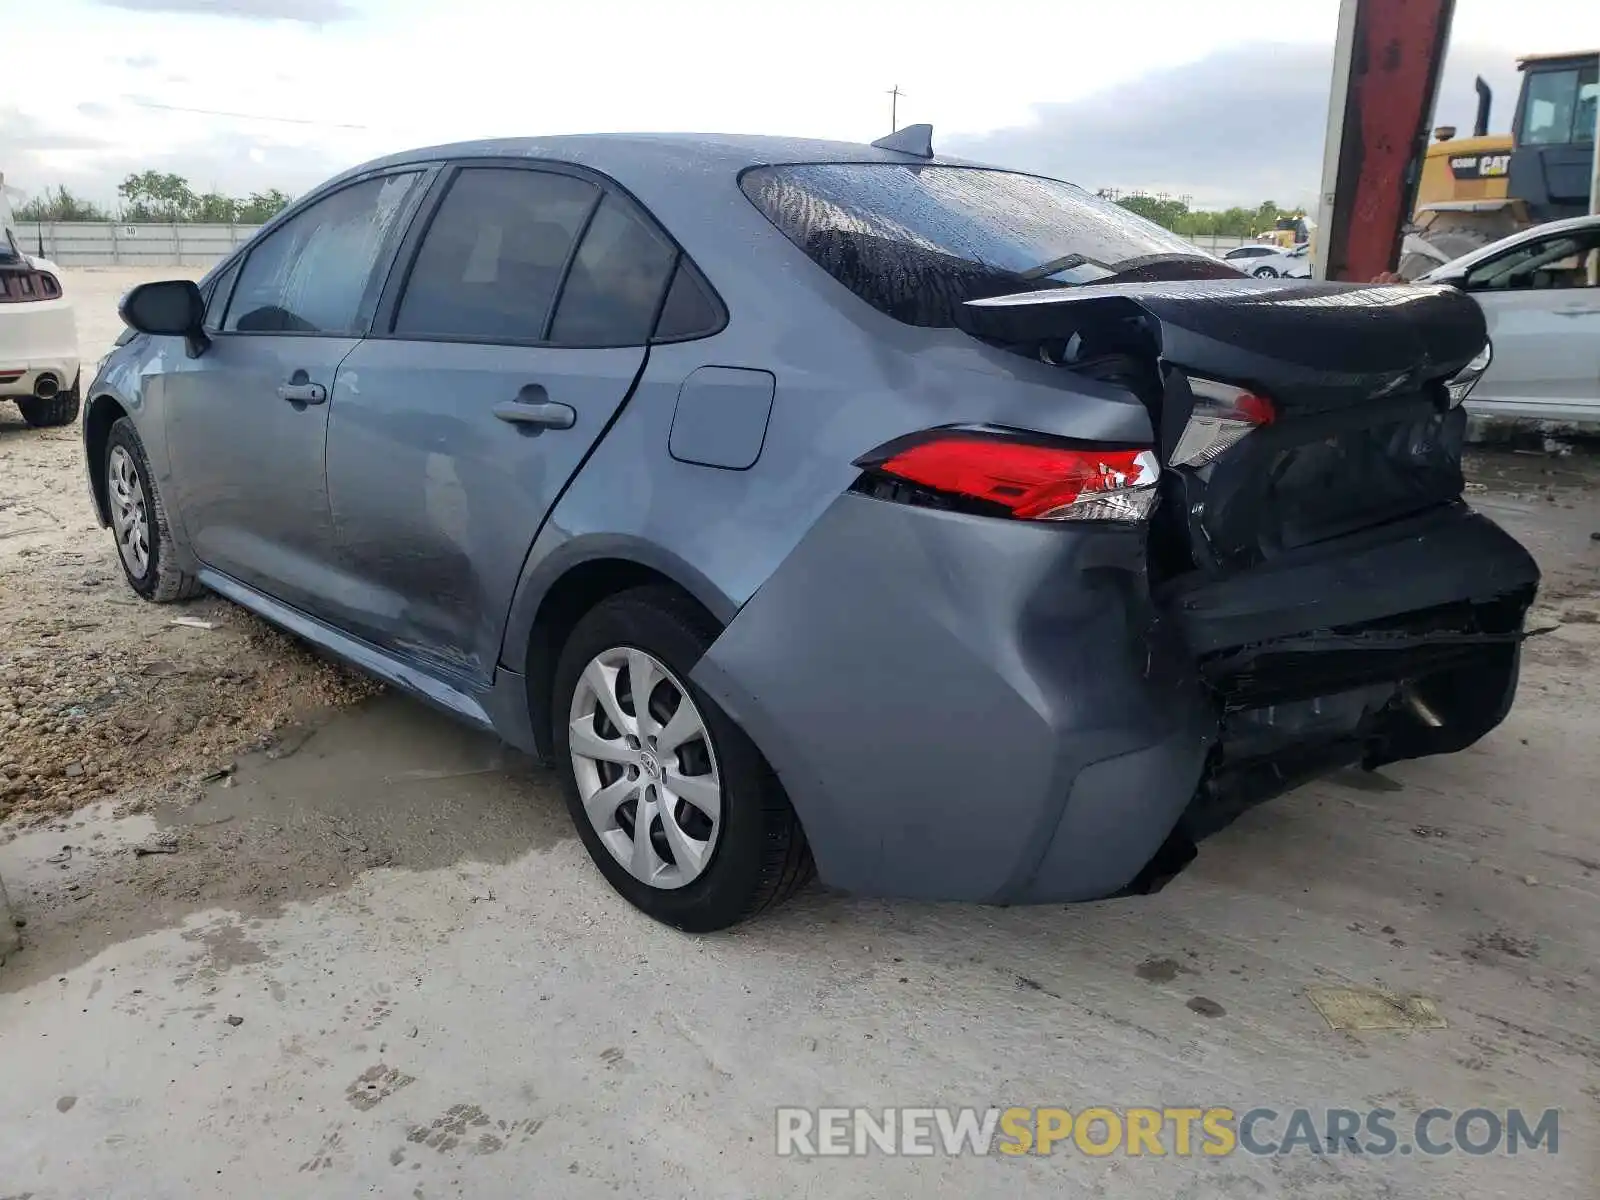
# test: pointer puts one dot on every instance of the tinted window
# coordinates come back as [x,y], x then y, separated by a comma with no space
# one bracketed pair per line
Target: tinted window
[217,301]
[617,281]
[1561,261]
[493,256]
[310,274]
[918,241]
[689,311]
[1560,107]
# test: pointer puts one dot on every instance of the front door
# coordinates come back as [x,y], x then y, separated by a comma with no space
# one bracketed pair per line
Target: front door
[1543,313]
[457,429]
[246,421]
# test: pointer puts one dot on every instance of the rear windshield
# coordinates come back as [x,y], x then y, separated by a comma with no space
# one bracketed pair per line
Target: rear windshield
[917,241]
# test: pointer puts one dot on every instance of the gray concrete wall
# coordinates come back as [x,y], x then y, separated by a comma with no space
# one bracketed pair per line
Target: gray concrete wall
[113,244]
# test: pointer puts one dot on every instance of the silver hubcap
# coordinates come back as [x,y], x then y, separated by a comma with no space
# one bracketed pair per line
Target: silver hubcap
[645,767]
[129,520]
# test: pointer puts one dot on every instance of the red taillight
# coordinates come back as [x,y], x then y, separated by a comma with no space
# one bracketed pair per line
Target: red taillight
[1221,416]
[19,286]
[1031,481]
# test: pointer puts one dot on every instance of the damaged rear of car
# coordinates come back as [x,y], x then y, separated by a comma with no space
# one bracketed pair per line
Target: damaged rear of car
[1277,576]
[1343,605]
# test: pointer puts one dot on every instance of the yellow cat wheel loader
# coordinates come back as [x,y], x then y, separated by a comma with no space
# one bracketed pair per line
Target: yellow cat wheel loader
[1475,190]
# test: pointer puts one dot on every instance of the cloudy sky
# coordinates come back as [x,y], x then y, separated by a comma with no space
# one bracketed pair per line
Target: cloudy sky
[1223,100]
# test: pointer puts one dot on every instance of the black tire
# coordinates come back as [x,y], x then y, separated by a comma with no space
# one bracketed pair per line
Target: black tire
[760,857]
[161,581]
[1264,273]
[60,409]
[1453,242]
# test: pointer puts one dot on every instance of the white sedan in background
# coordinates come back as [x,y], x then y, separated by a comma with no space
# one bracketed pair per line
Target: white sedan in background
[1271,262]
[1539,296]
[38,336]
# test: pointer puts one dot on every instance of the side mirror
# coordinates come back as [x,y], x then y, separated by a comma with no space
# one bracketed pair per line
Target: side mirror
[171,308]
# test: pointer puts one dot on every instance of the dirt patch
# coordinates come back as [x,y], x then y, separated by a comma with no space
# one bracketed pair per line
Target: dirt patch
[383,784]
[100,693]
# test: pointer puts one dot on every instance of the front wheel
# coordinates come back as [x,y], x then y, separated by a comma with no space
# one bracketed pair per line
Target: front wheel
[1265,273]
[673,802]
[139,520]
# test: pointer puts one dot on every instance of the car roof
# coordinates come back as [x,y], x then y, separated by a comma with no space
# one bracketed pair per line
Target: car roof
[1532,233]
[622,155]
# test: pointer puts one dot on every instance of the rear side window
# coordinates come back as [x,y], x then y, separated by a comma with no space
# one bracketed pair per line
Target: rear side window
[690,311]
[311,274]
[917,241]
[493,257]
[617,283]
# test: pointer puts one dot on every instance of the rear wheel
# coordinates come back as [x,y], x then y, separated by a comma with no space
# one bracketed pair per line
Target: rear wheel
[673,802]
[60,409]
[139,521]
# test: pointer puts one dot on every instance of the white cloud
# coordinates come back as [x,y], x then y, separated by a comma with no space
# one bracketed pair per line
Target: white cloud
[991,76]
[314,12]
[1238,127]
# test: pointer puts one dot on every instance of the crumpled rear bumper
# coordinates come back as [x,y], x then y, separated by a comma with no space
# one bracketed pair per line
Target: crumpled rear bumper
[969,709]
[930,688]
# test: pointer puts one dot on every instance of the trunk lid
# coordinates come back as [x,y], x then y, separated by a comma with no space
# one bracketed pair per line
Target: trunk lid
[1361,432]
[1311,346]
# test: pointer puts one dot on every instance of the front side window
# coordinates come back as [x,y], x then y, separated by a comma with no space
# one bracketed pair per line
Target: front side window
[1560,107]
[217,300]
[917,242]
[1560,261]
[492,259]
[311,274]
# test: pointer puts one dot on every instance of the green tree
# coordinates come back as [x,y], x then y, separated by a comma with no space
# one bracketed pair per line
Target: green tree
[59,204]
[157,196]
[261,207]
[215,208]
[1163,210]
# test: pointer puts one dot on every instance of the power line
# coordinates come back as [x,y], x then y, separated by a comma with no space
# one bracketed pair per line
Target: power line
[213,112]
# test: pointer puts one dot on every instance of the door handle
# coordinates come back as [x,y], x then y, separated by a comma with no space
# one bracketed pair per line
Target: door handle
[542,414]
[300,390]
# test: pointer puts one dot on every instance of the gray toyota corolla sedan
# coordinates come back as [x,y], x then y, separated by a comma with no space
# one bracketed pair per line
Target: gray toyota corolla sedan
[945,526]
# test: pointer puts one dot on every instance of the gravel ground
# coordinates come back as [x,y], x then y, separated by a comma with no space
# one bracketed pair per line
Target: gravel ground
[100,693]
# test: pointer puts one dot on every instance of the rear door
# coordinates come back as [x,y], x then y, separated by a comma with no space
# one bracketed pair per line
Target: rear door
[246,421]
[1543,314]
[499,356]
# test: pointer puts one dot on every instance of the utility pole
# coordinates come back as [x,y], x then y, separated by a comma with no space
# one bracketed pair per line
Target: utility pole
[1594,198]
[1386,61]
[1594,180]
[894,107]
